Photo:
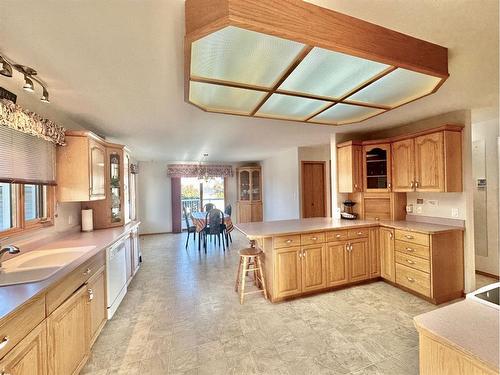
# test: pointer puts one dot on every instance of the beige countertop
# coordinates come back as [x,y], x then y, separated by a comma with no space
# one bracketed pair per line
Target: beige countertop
[14,296]
[468,326]
[284,227]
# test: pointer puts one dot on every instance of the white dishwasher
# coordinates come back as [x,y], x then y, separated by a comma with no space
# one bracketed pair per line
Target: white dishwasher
[116,276]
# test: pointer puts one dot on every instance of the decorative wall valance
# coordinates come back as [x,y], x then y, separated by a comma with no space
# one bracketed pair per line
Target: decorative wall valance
[196,170]
[15,117]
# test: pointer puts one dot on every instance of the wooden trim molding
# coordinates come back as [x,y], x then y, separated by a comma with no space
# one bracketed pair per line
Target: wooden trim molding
[496,277]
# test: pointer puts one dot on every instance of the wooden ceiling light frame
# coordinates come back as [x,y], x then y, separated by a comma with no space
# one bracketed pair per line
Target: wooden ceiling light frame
[312,26]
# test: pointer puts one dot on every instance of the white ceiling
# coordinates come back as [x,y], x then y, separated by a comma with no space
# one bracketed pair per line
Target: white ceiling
[116,67]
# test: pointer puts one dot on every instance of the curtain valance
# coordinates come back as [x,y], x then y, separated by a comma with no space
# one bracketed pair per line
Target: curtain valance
[15,117]
[202,171]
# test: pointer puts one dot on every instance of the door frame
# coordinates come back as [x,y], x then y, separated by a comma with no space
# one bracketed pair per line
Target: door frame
[325,197]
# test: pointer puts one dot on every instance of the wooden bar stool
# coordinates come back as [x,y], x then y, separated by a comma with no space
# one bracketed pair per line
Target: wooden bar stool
[250,261]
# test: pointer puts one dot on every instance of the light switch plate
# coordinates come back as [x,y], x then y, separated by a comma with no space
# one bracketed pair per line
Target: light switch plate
[419,209]
[409,208]
[454,212]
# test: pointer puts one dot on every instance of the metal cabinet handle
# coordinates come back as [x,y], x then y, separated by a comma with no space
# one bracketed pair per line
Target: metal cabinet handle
[390,235]
[338,236]
[360,233]
[288,241]
[410,249]
[389,185]
[409,261]
[410,279]
[4,342]
[412,184]
[377,218]
[314,238]
[416,184]
[409,236]
[4,373]
[91,295]
[87,272]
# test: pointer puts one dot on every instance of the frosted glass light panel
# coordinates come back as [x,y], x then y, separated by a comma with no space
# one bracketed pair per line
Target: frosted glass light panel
[396,88]
[346,113]
[243,56]
[225,99]
[290,107]
[330,74]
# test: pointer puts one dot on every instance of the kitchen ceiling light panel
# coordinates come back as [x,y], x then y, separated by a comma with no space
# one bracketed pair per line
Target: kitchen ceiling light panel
[331,74]
[221,98]
[236,55]
[396,88]
[290,107]
[346,113]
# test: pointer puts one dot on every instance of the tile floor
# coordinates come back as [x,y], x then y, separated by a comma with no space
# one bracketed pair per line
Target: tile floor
[182,316]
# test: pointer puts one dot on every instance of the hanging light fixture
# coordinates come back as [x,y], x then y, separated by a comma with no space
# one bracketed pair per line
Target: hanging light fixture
[203,170]
[30,76]
[6,68]
[28,84]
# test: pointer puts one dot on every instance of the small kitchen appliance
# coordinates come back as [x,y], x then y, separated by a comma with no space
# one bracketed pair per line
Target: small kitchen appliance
[348,212]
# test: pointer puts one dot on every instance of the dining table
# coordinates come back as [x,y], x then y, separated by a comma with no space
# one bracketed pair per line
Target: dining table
[200,221]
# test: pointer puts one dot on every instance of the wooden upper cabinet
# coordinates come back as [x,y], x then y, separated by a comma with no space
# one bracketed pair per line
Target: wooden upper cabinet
[349,168]
[249,194]
[403,165]
[429,166]
[81,168]
[377,167]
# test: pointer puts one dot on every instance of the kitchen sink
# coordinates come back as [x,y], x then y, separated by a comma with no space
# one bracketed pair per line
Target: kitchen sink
[38,265]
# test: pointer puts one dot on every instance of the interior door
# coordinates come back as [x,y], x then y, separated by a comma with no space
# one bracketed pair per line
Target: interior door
[337,264]
[313,267]
[313,189]
[288,271]
[358,260]
[403,165]
[387,261]
[429,163]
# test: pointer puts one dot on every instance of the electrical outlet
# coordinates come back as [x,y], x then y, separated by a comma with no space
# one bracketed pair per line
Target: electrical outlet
[70,219]
[409,208]
[419,209]
[432,202]
[454,212]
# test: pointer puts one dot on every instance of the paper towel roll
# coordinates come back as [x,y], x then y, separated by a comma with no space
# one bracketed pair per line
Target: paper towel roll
[87,221]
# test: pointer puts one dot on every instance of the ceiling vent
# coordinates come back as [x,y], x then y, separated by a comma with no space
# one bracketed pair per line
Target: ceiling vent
[291,60]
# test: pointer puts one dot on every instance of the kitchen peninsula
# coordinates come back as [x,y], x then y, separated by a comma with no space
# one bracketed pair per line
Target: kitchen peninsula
[320,254]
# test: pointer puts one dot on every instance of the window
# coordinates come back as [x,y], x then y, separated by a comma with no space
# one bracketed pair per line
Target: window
[24,206]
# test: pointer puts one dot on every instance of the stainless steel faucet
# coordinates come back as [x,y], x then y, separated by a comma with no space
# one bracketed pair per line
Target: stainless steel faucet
[11,249]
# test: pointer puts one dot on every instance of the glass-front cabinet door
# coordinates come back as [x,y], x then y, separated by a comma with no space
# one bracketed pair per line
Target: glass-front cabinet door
[256,188]
[244,185]
[97,158]
[115,187]
[377,167]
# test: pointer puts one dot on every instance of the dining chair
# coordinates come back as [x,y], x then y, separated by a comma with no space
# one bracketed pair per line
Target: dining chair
[189,226]
[209,207]
[228,210]
[214,227]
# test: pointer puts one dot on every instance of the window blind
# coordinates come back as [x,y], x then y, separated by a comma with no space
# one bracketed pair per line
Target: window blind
[25,158]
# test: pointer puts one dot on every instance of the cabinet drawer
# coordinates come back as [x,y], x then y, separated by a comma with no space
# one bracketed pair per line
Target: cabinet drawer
[312,238]
[338,235]
[412,249]
[412,237]
[286,241]
[413,262]
[67,286]
[20,323]
[413,279]
[357,233]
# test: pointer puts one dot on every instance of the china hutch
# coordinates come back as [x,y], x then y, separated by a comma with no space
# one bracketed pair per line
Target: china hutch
[249,194]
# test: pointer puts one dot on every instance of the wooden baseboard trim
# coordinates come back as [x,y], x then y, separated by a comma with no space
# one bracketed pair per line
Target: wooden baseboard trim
[153,234]
[496,277]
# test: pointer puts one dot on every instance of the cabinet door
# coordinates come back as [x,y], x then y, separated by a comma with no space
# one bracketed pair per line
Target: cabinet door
[244,212]
[337,270]
[403,165]
[256,185]
[387,261]
[429,162]
[97,175]
[313,267]
[135,251]
[128,257]
[97,304]
[68,335]
[29,357]
[349,169]
[256,212]
[244,185]
[377,167]
[359,260]
[288,272]
[373,245]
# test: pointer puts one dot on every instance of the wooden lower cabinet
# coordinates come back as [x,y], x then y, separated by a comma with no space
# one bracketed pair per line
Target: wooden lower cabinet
[374,251]
[249,212]
[359,268]
[96,288]
[288,272]
[337,255]
[386,248]
[68,338]
[313,259]
[29,357]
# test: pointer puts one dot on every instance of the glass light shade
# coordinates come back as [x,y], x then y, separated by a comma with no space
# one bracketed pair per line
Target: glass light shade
[222,98]
[290,107]
[396,88]
[242,56]
[345,113]
[330,74]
